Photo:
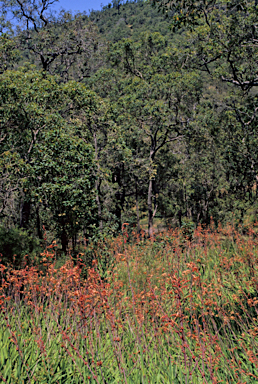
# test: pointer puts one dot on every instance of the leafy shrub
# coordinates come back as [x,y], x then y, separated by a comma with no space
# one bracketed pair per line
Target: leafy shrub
[188,228]
[15,244]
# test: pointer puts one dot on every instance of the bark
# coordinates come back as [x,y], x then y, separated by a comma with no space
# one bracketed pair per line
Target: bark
[98,183]
[74,242]
[119,195]
[137,208]
[150,210]
[39,231]
[97,186]
[118,210]
[25,214]
[64,241]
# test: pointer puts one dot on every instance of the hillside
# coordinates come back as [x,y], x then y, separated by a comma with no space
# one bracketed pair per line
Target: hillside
[126,115]
[129,21]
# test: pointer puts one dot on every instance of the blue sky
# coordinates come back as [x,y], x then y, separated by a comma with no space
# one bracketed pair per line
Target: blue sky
[74,6]
[80,5]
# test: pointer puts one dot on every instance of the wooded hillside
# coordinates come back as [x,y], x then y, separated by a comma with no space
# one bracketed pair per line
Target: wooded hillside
[143,113]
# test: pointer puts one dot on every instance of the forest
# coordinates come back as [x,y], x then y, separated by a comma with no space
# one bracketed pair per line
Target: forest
[141,113]
[128,193]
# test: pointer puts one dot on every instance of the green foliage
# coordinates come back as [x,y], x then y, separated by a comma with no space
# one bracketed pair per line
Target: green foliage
[223,34]
[57,43]
[62,175]
[135,121]
[130,20]
[9,52]
[46,165]
[15,244]
[188,228]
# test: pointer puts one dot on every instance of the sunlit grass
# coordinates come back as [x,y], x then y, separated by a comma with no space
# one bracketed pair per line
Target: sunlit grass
[165,310]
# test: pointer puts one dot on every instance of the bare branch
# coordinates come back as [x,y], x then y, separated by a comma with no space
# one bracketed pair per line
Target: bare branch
[242,84]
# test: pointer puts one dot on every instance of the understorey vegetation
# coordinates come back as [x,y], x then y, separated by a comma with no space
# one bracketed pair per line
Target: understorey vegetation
[160,310]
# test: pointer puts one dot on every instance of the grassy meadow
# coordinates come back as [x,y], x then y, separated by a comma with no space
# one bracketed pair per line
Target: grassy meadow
[179,308]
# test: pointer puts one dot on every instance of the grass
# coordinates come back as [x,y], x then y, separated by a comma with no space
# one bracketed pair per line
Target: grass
[165,310]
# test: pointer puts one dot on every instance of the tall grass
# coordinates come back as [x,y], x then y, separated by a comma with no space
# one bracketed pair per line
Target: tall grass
[167,310]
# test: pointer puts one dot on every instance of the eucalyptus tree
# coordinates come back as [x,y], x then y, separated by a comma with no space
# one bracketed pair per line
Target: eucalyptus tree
[48,173]
[157,103]
[9,52]
[62,178]
[239,121]
[58,43]
[222,36]
[221,41]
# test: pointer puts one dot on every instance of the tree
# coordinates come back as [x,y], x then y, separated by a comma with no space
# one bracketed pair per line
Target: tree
[9,53]
[29,104]
[48,167]
[221,41]
[61,178]
[222,37]
[62,44]
[157,104]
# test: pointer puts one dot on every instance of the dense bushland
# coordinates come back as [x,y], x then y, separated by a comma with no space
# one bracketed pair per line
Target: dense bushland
[127,114]
[162,310]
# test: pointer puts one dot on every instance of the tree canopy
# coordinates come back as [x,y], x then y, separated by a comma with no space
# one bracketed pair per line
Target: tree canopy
[143,112]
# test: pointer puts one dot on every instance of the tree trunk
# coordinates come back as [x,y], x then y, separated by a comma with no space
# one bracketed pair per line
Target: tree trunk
[137,208]
[117,177]
[97,184]
[118,210]
[25,214]
[150,210]
[64,241]
[39,230]
[74,242]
